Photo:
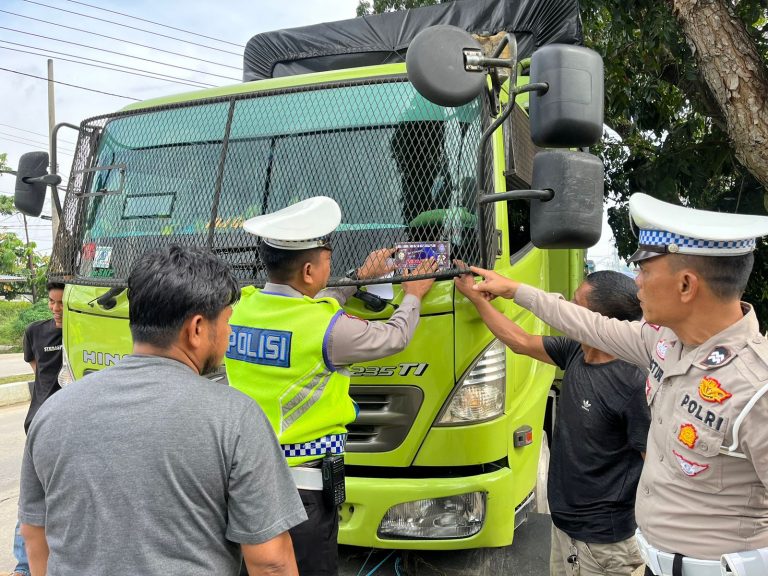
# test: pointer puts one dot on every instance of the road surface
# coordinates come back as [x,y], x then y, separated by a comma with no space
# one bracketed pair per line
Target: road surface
[13,365]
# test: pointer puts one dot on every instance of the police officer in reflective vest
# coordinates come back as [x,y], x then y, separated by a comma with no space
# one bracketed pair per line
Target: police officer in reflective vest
[289,347]
[702,501]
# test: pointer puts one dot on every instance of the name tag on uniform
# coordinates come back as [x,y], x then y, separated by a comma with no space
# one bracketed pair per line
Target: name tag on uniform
[259,346]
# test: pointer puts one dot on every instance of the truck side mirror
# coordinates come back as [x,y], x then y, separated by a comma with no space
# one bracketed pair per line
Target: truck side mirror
[570,113]
[30,188]
[573,217]
[436,66]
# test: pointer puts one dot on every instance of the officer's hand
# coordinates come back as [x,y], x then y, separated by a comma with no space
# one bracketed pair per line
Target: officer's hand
[375,265]
[494,283]
[465,282]
[419,288]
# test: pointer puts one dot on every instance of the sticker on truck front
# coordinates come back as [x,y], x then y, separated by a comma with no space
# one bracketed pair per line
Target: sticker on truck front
[102,257]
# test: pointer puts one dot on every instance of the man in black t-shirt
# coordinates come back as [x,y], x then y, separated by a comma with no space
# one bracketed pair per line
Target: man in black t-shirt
[600,434]
[42,349]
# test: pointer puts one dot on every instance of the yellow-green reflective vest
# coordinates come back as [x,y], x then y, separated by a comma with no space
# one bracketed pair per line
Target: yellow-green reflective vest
[278,355]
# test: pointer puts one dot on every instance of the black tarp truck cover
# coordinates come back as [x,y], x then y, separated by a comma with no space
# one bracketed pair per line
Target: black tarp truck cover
[384,38]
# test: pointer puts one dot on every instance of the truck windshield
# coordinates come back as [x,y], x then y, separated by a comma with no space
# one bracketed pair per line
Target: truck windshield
[401,168]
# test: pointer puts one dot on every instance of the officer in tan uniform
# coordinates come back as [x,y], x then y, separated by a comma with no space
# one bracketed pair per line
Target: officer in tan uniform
[290,345]
[702,500]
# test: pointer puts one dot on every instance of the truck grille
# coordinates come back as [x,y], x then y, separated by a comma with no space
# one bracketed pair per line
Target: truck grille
[386,416]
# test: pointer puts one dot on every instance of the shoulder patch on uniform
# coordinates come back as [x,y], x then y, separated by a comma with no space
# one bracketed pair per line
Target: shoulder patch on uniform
[716,357]
[661,348]
[711,390]
[689,468]
[350,316]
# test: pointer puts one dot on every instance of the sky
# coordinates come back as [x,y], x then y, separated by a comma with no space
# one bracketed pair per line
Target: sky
[65,30]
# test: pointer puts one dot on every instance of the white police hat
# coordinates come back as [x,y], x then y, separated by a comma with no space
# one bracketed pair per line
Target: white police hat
[663,228]
[301,226]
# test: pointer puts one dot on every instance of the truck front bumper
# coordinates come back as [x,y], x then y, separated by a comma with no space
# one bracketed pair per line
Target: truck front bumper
[369,499]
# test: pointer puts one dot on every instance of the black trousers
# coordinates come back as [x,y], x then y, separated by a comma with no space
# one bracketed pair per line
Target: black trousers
[315,541]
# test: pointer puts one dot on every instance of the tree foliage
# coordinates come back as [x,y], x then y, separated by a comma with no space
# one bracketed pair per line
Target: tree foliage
[18,258]
[6,206]
[15,257]
[379,6]
[674,142]
[675,133]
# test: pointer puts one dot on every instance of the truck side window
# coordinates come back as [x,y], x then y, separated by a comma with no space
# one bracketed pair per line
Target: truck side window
[518,225]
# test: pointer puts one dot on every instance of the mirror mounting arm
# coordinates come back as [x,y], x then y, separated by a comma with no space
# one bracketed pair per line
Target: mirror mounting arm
[475,61]
[541,195]
[54,164]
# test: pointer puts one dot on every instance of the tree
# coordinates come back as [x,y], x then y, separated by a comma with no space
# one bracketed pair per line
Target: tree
[670,99]
[18,258]
[687,92]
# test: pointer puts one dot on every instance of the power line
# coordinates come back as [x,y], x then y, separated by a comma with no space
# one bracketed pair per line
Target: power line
[36,146]
[153,22]
[45,144]
[101,49]
[70,85]
[35,133]
[159,74]
[105,67]
[133,27]
[119,39]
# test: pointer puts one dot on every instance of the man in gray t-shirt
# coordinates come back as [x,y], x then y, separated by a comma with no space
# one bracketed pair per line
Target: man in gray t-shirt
[149,468]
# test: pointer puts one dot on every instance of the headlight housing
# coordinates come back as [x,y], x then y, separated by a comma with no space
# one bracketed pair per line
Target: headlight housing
[458,516]
[66,376]
[481,392]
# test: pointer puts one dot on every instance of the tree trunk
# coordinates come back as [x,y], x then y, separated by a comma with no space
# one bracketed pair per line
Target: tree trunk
[734,72]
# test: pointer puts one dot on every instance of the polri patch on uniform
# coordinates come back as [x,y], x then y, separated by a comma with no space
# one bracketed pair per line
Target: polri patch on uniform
[688,435]
[718,356]
[661,349]
[689,468]
[711,390]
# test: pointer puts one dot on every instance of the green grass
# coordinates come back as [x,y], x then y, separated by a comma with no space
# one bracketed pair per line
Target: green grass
[14,319]
[19,378]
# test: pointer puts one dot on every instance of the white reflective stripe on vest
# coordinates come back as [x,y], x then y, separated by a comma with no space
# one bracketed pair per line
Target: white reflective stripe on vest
[660,562]
[307,478]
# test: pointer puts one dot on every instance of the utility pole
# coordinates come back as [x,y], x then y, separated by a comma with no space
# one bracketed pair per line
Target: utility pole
[30,263]
[51,125]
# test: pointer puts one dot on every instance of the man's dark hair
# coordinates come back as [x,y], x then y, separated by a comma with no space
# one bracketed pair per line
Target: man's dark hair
[283,265]
[613,294]
[726,276]
[166,287]
[51,285]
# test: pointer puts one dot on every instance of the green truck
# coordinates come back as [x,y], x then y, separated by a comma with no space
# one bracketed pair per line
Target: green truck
[444,452]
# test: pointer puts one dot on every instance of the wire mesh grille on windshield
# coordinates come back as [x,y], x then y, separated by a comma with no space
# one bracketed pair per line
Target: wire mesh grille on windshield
[402,170]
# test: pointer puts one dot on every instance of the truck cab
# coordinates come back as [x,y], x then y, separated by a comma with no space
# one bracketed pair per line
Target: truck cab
[444,451]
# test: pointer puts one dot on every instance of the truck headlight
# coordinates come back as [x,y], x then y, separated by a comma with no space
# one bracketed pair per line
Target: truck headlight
[66,376]
[480,393]
[457,516]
